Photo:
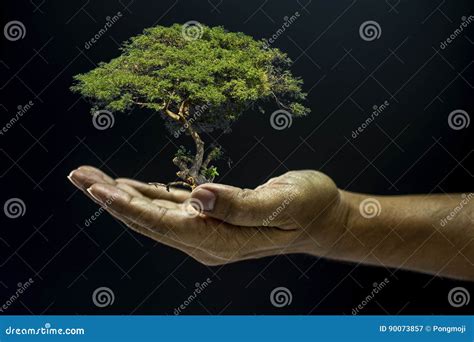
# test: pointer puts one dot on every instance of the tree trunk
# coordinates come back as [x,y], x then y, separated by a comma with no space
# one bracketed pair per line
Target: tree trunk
[189,174]
[199,156]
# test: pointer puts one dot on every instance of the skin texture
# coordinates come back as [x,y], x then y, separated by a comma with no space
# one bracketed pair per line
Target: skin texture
[297,212]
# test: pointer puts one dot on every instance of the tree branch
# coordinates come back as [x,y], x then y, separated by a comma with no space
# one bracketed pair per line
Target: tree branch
[279,103]
[210,157]
[181,163]
[183,108]
[172,115]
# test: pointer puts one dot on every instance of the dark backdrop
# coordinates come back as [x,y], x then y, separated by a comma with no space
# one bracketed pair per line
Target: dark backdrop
[409,148]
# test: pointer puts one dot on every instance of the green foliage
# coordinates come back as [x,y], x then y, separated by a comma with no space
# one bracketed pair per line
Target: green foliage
[210,172]
[225,71]
[216,153]
[183,152]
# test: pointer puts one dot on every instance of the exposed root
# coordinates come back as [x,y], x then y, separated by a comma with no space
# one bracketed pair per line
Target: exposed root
[193,171]
[178,184]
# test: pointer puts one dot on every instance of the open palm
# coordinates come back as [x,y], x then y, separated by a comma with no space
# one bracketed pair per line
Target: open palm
[298,212]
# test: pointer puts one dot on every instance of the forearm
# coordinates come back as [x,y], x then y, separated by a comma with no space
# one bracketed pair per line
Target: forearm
[426,233]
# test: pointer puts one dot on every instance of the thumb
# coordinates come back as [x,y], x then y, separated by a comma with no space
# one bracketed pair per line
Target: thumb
[265,206]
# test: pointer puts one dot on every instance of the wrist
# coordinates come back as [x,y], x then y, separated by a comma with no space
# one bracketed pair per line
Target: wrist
[330,230]
[347,237]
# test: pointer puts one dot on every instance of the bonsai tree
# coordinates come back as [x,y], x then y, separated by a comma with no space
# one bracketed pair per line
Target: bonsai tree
[198,83]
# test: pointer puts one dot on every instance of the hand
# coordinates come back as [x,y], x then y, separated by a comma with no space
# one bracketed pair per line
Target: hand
[298,212]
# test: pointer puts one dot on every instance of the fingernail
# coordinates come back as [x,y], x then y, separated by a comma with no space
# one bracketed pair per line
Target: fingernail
[206,197]
[94,196]
[69,176]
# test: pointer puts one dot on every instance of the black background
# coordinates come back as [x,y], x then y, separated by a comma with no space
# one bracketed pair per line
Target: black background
[410,148]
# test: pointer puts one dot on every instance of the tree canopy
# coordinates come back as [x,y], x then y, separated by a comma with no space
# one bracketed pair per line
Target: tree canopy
[163,70]
[199,81]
